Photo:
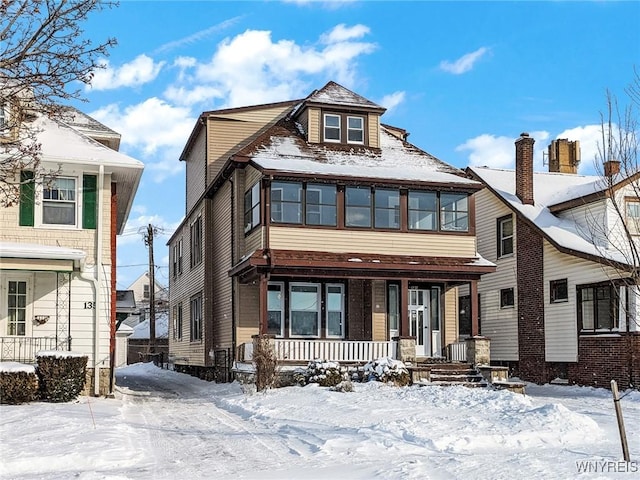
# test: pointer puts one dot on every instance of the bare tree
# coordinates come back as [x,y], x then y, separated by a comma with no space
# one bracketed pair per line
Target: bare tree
[45,60]
[616,162]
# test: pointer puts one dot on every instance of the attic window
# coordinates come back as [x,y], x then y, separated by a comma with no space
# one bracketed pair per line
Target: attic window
[331,128]
[355,130]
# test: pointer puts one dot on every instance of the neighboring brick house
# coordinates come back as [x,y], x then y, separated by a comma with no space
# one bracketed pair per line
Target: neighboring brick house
[312,221]
[58,247]
[562,303]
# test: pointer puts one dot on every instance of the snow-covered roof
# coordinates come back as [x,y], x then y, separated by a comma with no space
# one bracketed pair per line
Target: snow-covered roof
[61,143]
[550,189]
[141,331]
[335,94]
[32,250]
[286,151]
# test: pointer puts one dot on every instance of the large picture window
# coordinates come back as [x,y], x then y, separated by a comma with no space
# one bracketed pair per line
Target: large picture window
[59,201]
[275,308]
[505,236]
[304,309]
[597,307]
[321,205]
[286,202]
[358,207]
[423,210]
[454,212]
[252,208]
[387,208]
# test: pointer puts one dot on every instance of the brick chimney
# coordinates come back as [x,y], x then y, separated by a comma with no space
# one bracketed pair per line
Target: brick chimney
[611,168]
[524,168]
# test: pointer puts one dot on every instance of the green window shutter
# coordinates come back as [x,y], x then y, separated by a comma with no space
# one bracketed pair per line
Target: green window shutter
[27,198]
[89,195]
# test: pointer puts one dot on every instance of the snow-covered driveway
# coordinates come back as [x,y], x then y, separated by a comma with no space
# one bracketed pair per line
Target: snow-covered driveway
[166,425]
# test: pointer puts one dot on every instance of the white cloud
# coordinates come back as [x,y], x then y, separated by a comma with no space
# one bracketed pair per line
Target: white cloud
[252,68]
[148,125]
[139,71]
[464,63]
[493,151]
[137,225]
[392,100]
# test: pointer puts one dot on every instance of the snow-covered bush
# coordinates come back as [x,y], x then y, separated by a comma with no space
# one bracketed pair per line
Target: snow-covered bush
[61,374]
[387,370]
[18,383]
[325,374]
[344,386]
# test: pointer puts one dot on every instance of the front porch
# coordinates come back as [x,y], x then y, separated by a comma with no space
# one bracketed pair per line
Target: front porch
[24,349]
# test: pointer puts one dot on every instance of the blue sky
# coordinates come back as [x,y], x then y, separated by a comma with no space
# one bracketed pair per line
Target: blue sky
[464,78]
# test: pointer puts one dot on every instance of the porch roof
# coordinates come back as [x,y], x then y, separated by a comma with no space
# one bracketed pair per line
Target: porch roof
[30,256]
[358,265]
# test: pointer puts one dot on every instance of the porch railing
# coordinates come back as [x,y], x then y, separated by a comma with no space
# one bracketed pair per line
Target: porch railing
[333,350]
[457,352]
[24,349]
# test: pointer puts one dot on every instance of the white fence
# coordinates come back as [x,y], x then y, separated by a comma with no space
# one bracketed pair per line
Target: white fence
[333,350]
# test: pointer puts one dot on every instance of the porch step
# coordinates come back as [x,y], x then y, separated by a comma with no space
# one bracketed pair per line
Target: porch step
[463,378]
[438,383]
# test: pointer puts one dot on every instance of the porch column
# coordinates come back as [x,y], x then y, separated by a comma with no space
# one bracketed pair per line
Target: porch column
[404,307]
[262,320]
[475,324]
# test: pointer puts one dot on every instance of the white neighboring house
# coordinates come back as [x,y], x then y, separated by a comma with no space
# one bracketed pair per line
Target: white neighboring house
[141,288]
[58,247]
[561,304]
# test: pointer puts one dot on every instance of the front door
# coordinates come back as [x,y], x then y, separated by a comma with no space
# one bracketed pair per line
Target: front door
[419,321]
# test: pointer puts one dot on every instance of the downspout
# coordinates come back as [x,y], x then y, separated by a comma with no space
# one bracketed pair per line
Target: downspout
[96,280]
[233,279]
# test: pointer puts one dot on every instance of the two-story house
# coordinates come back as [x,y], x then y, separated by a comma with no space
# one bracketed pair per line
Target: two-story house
[563,303]
[58,246]
[312,221]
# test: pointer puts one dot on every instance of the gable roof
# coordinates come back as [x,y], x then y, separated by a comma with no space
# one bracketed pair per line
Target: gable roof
[337,95]
[61,143]
[283,149]
[550,190]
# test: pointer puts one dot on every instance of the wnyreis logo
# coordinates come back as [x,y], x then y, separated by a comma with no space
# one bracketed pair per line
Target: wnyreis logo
[607,466]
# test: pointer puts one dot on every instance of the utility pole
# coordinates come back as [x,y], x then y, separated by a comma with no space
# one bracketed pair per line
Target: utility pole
[148,240]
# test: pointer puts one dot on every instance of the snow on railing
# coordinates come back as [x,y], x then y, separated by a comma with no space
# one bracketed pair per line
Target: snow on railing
[333,350]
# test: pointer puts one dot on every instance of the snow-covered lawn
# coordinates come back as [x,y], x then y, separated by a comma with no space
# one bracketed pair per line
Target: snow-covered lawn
[166,425]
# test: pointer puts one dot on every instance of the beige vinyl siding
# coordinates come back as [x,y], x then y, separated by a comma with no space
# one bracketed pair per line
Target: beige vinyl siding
[248,311]
[303,120]
[374,130]
[221,264]
[182,288]
[69,237]
[379,307]
[500,325]
[314,134]
[450,320]
[230,131]
[560,319]
[195,170]
[371,242]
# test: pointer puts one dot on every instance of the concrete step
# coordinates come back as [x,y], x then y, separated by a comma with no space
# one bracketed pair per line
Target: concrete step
[425,383]
[456,378]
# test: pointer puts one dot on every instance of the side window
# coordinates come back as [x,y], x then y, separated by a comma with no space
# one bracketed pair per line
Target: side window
[252,208]
[507,299]
[423,210]
[387,208]
[286,202]
[321,205]
[505,236]
[196,318]
[59,201]
[275,308]
[196,242]
[454,212]
[633,216]
[558,291]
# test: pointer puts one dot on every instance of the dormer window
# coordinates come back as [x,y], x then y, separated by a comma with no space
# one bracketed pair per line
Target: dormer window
[331,128]
[343,128]
[355,130]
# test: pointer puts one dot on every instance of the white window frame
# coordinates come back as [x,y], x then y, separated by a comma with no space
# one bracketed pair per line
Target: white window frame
[361,129]
[4,119]
[327,311]
[28,328]
[40,205]
[633,221]
[333,128]
[318,287]
[282,311]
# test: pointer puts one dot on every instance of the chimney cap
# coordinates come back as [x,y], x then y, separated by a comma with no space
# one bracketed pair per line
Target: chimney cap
[524,134]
